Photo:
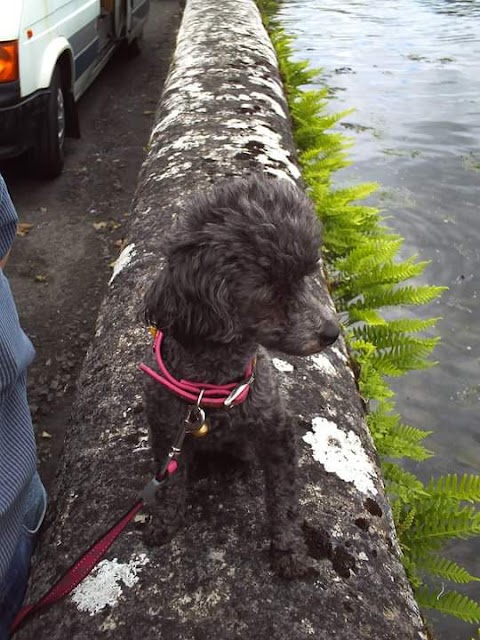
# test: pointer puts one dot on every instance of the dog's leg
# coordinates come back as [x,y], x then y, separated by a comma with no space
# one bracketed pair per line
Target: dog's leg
[288,549]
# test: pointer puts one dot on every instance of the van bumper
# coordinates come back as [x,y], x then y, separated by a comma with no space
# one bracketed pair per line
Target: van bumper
[19,121]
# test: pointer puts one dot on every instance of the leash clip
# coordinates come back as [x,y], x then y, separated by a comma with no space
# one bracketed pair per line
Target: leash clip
[195,418]
[149,491]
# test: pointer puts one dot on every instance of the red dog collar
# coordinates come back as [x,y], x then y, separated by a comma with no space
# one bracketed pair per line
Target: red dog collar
[200,393]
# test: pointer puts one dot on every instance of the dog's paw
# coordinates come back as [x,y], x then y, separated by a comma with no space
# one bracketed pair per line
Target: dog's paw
[164,522]
[156,533]
[292,563]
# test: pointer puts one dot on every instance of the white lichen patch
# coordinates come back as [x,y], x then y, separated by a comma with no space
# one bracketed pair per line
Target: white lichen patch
[311,493]
[339,353]
[104,586]
[282,365]
[307,627]
[270,84]
[323,364]
[201,603]
[188,97]
[341,453]
[123,261]
[217,557]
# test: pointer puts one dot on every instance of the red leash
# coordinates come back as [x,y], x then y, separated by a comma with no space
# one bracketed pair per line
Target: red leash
[84,565]
[201,394]
[78,571]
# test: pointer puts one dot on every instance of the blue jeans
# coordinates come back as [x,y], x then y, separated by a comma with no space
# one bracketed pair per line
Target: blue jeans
[16,578]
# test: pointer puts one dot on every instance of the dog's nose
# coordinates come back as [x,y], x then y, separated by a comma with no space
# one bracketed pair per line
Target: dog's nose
[330,332]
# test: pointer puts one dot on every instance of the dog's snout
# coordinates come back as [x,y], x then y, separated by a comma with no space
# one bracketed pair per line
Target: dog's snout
[330,332]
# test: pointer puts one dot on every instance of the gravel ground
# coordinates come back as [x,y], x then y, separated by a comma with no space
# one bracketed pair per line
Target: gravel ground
[72,228]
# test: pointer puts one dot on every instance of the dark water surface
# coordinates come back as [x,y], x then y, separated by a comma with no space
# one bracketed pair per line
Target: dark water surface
[411,68]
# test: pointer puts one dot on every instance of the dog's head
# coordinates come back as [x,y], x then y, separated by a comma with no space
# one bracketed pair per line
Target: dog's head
[239,267]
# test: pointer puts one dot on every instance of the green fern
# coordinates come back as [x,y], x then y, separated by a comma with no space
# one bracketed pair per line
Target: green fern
[401,485]
[383,333]
[396,446]
[366,279]
[378,275]
[440,567]
[406,355]
[394,439]
[466,488]
[440,522]
[387,297]
[370,254]
[450,603]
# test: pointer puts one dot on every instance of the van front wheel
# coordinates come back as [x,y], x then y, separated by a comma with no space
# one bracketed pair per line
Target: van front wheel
[47,156]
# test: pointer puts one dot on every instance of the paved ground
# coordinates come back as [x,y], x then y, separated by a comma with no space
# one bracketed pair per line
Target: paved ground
[75,225]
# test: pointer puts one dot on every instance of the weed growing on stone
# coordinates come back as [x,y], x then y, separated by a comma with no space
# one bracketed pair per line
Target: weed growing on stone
[368,285]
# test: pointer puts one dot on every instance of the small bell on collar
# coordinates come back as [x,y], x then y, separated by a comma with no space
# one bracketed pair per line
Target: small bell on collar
[202,430]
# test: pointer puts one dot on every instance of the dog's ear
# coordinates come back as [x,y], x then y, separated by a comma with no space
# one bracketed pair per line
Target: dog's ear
[192,302]
[160,303]
[208,312]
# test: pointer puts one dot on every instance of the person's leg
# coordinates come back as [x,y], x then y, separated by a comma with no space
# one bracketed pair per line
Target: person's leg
[16,578]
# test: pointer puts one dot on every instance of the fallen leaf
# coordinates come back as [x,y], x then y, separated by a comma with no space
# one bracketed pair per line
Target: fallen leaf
[120,244]
[141,518]
[100,226]
[23,228]
[46,435]
[103,225]
[40,278]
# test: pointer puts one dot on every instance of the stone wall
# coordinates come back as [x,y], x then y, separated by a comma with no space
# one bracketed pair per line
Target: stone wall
[222,113]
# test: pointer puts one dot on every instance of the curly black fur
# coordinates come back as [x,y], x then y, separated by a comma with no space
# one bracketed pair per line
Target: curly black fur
[237,279]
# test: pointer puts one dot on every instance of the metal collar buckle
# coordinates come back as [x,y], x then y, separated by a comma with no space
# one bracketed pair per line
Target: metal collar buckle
[237,392]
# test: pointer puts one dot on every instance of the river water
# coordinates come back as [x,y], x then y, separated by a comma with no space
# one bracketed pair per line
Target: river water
[411,69]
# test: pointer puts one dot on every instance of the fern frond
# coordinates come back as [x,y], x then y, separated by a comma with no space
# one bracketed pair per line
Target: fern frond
[339,198]
[404,521]
[372,385]
[466,488]
[450,602]
[412,571]
[381,421]
[317,169]
[387,333]
[408,354]
[370,254]
[441,522]
[387,297]
[410,434]
[394,445]
[401,484]
[369,316]
[444,568]
[376,276]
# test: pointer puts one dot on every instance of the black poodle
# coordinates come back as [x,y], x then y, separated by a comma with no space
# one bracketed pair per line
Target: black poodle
[237,281]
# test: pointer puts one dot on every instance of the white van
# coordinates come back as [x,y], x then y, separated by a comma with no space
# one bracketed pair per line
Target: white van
[50,52]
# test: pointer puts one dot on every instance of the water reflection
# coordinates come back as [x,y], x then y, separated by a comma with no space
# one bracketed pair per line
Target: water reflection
[454,7]
[411,70]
